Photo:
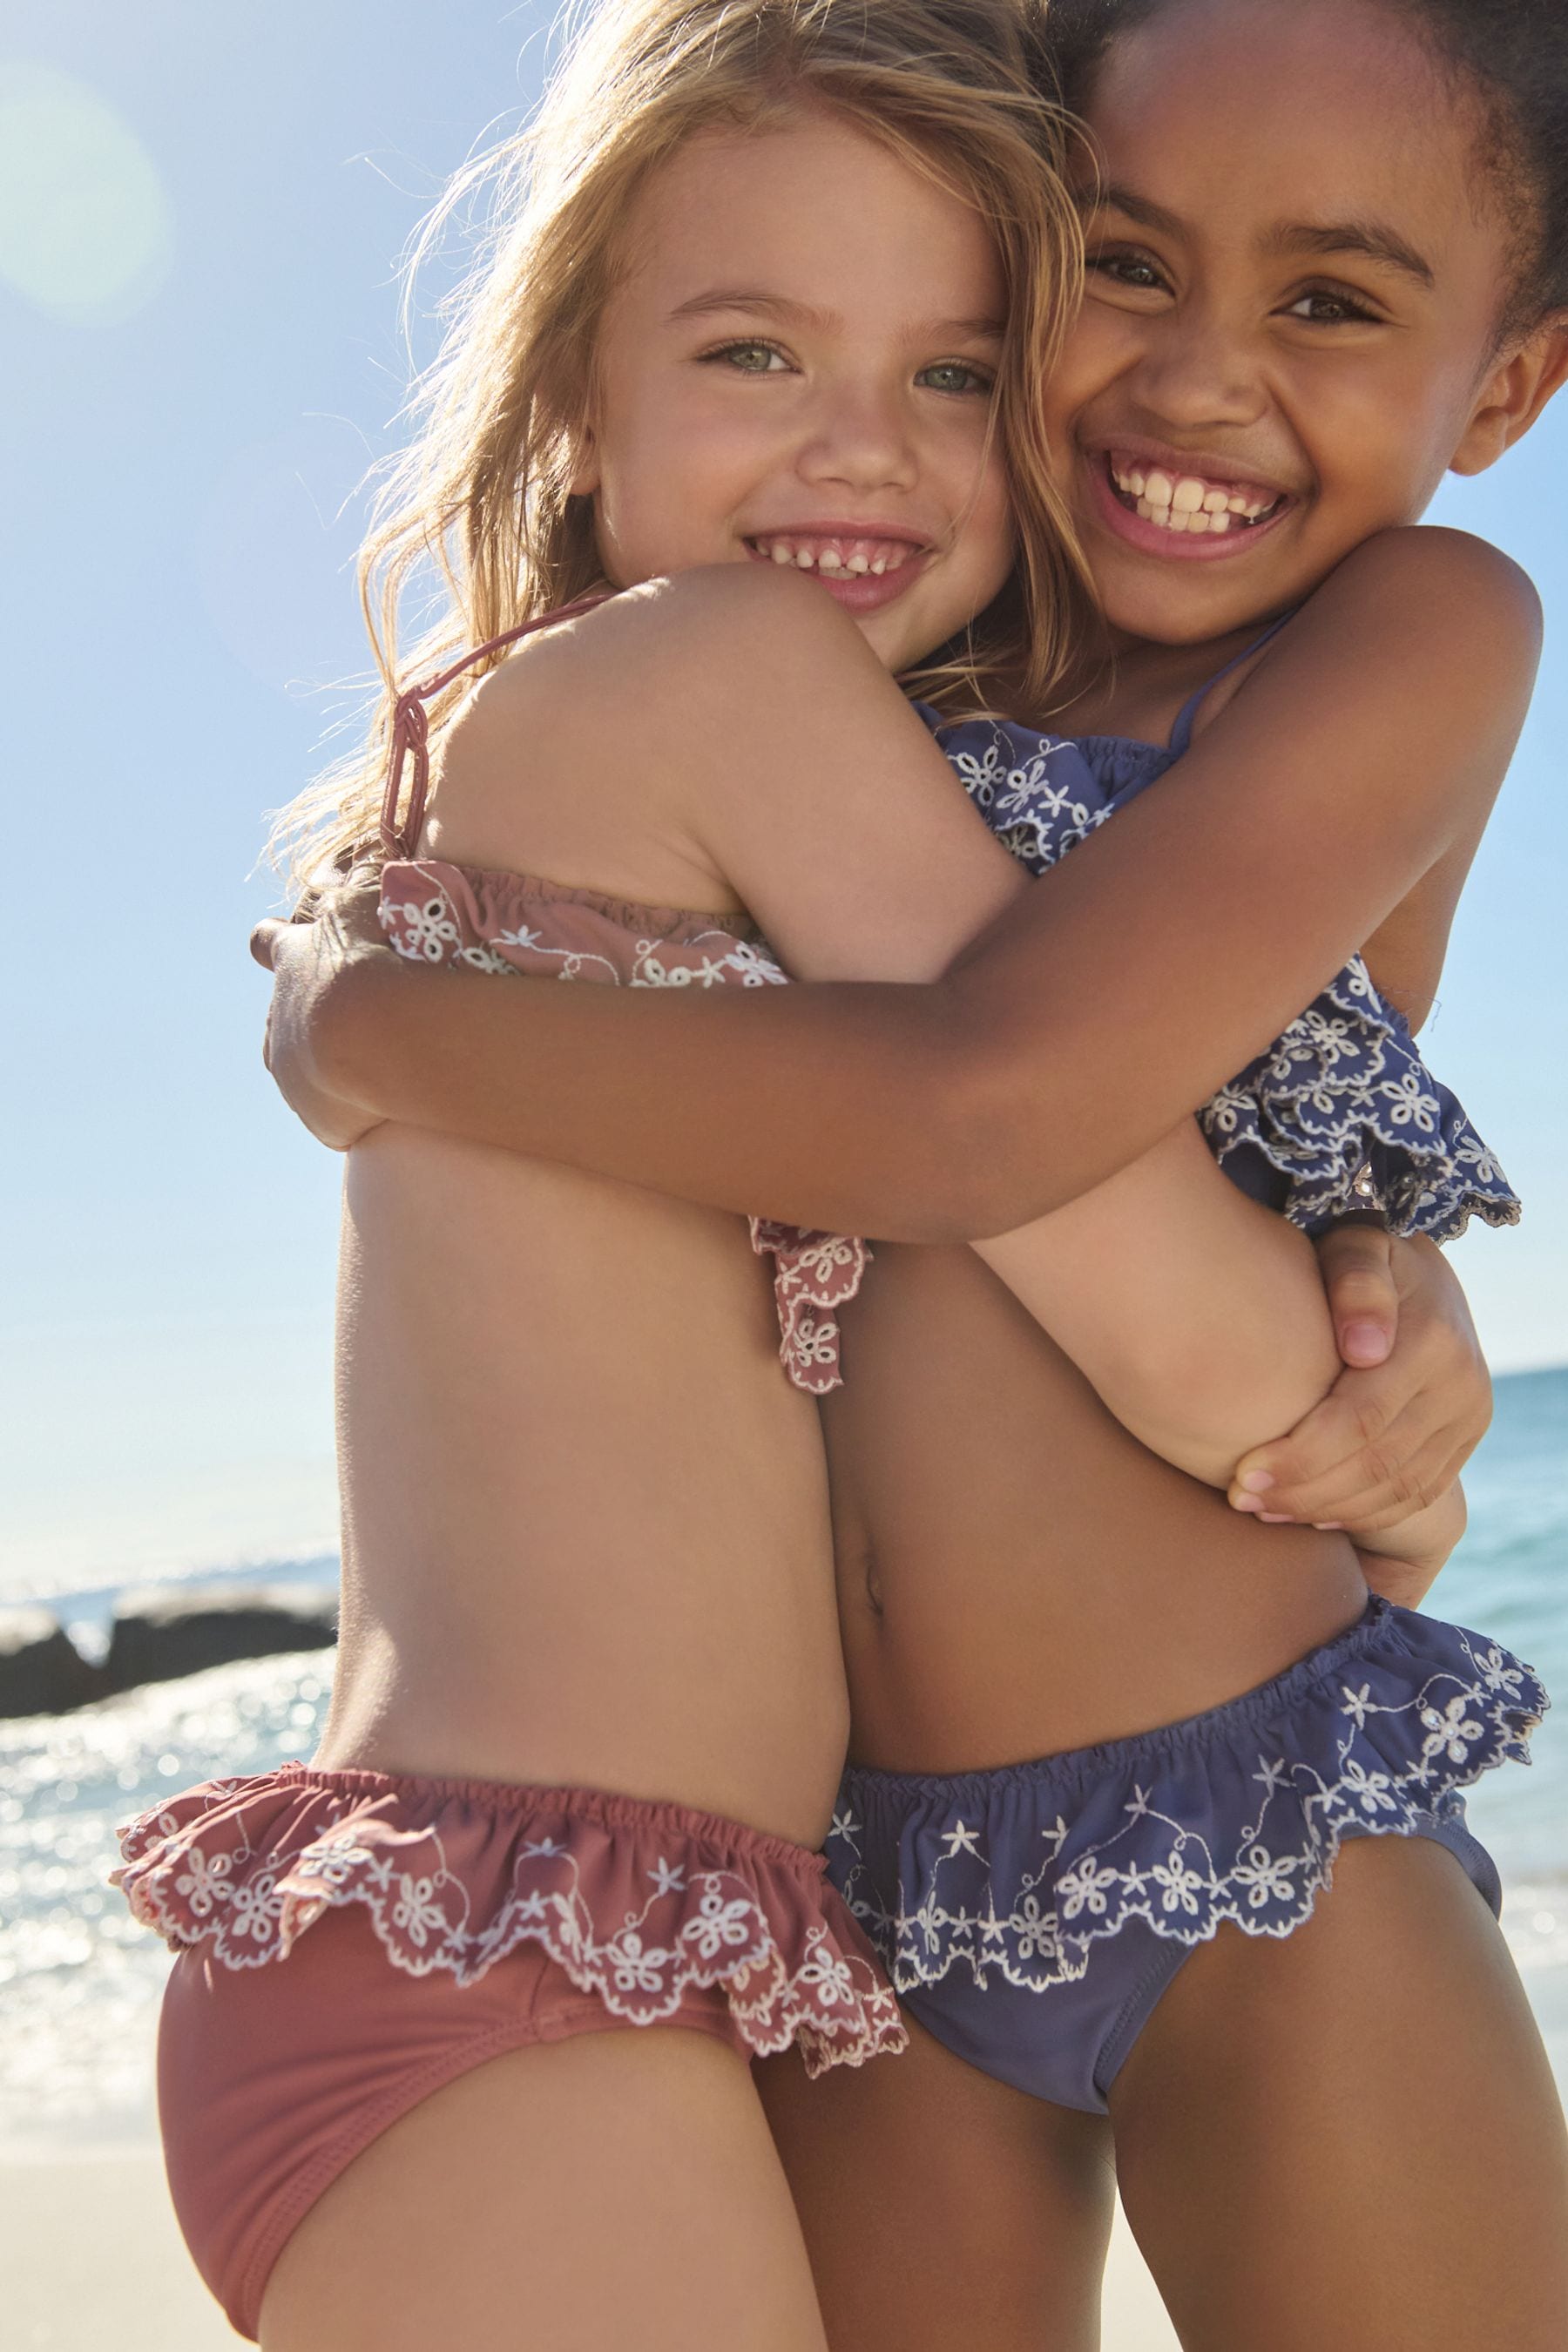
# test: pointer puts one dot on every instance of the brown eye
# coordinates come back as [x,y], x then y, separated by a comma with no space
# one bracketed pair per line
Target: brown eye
[1133,270]
[1324,307]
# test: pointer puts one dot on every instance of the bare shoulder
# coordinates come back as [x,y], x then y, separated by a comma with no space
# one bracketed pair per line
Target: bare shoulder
[1469,596]
[573,758]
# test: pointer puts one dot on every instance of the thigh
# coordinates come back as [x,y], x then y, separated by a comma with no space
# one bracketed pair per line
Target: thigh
[943,2211]
[620,2187]
[1350,2136]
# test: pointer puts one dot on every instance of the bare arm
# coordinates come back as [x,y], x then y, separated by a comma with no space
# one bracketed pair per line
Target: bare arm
[748,747]
[1087,1022]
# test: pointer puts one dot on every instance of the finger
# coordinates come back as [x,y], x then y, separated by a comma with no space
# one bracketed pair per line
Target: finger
[1342,1449]
[1427,1480]
[1363,1299]
[1378,1493]
[1357,1411]
[264,942]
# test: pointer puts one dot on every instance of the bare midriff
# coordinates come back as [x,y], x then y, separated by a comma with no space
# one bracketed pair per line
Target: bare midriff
[1017,1576]
[585,1533]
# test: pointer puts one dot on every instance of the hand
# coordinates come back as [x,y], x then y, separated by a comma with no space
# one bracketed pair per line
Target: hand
[305,960]
[1404,1563]
[1398,1426]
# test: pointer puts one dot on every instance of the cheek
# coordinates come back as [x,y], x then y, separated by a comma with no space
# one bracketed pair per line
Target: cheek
[1102,343]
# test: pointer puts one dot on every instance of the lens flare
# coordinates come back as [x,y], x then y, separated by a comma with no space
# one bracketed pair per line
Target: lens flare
[86,228]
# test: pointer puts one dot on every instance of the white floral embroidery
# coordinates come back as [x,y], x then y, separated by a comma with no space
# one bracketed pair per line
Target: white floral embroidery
[1340,1112]
[1265,1877]
[938,1887]
[1452,1731]
[770,1935]
[205,1884]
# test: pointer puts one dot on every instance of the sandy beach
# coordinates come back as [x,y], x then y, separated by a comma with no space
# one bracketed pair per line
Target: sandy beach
[91,2261]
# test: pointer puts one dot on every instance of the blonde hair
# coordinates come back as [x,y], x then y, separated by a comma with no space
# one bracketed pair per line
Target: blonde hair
[954,87]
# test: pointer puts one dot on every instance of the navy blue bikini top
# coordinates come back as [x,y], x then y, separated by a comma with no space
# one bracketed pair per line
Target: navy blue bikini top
[1341,1114]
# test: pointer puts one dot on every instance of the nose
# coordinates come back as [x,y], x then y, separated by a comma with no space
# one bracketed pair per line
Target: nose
[1198,370]
[860,438]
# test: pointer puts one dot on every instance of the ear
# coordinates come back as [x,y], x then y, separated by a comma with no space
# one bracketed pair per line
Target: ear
[584,447]
[1514,396]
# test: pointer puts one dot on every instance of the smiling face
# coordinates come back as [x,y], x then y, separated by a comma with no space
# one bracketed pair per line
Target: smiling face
[1295,280]
[797,368]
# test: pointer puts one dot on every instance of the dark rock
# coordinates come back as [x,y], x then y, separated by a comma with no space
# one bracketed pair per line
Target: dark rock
[178,1629]
[41,1670]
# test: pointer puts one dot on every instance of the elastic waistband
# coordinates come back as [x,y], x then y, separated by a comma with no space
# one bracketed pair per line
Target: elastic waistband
[608,1809]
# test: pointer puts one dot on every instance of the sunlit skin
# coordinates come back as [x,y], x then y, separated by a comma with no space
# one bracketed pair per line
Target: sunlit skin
[1313,312]
[1015,1574]
[774,368]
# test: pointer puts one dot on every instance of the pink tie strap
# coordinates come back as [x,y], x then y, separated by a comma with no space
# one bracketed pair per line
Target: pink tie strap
[411,727]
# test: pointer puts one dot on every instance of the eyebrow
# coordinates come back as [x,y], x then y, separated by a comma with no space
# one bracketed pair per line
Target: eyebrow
[802,314]
[1374,240]
[1371,239]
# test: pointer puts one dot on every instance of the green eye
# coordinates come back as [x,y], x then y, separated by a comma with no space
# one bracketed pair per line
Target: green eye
[747,359]
[954,376]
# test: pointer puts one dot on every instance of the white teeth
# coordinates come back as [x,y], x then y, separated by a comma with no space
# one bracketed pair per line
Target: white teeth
[1186,503]
[859,563]
[878,564]
[782,554]
[804,558]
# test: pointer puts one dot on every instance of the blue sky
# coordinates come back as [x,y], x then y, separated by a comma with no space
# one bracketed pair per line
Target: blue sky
[183,422]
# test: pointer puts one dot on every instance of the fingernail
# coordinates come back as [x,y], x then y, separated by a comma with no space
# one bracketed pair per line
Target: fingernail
[1257,1482]
[1330,1527]
[1367,1343]
[1276,1519]
[1245,1503]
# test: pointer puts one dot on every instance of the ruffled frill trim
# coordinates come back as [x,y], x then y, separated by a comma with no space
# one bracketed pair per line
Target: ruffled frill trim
[637,1904]
[1342,1113]
[814,1274]
[1235,1817]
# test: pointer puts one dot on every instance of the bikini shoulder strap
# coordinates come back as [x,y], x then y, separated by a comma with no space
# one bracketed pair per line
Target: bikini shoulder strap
[410,728]
[1181,733]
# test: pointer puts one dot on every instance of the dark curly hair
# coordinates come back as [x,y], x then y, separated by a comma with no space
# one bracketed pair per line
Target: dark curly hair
[1512,54]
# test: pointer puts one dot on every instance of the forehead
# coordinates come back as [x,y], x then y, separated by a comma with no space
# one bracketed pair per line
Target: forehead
[809,207]
[1247,115]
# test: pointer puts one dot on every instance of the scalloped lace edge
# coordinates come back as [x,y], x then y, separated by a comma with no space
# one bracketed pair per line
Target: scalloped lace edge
[829,2001]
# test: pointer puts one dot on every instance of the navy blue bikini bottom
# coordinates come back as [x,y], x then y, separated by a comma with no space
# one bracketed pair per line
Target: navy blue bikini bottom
[1031,1917]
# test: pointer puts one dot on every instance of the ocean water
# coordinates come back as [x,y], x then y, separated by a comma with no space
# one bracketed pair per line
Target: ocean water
[79,1982]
